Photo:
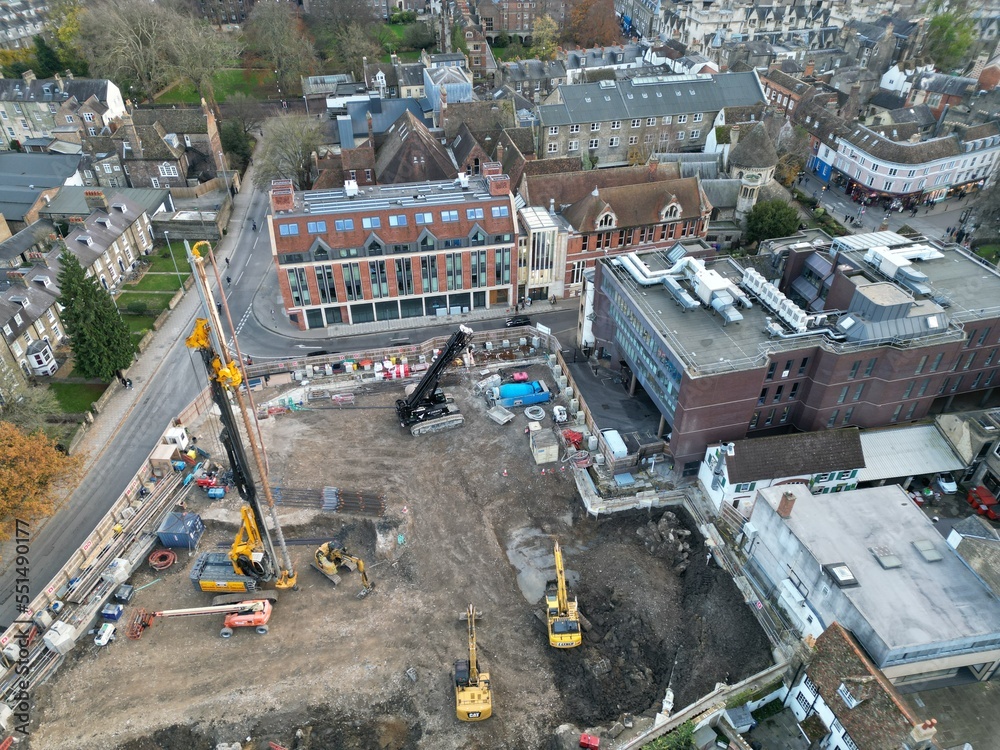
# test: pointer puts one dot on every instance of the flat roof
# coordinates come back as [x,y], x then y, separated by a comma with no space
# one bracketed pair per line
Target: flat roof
[915,604]
[385,197]
[906,452]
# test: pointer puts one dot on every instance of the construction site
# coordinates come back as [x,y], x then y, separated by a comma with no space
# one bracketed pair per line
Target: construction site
[469,517]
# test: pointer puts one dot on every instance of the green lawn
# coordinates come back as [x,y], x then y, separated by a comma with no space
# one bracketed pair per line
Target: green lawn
[139,323]
[76,397]
[156,302]
[990,252]
[158,282]
[398,30]
[410,55]
[258,84]
[160,260]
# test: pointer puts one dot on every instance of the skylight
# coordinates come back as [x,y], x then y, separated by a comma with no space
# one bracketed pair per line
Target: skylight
[927,550]
[886,558]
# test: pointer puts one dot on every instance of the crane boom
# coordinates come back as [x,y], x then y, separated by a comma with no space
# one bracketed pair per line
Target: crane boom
[225,378]
[426,402]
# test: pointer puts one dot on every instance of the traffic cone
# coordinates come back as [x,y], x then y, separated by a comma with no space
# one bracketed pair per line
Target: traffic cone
[543,472]
[505,472]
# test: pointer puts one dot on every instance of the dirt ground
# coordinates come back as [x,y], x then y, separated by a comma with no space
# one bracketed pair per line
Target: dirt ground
[476,519]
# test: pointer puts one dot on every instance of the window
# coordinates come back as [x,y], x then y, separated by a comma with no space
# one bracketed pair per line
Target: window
[368,175]
[667,119]
[473,213]
[574,128]
[499,211]
[777,393]
[594,143]
[91,131]
[895,414]
[680,135]
[633,139]
[341,225]
[371,222]
[397,220]
[69,118]
[763,397]
[771,370]
[854,370]
[317,227]
[573,146]
[154,182]
[870,368]
[857,392]
[449,216]
[909,389]
[552,148]
[168,170]
[681,119]
[803,366]
[937,362]
[754,419]
[843,394]
[425,217]
[612,142]
[650,121]
[920,365]
[594,127]
[288,230]
[616,124]
[698,117]
[794,392]
[833,418]
[635,123]
[694,134]
[554,130]
[107,169]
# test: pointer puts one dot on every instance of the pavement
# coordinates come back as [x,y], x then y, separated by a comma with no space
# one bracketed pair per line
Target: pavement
[779,732]
[965,713]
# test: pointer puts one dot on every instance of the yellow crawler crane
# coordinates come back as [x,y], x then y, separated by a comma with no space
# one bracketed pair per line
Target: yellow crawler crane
[562,615]
[473,699]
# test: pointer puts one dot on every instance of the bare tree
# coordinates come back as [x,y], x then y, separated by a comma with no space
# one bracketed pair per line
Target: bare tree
[197,51]
[353,44]
[275,32]
[247,113]
[125,40]
[287,152]
[335,14]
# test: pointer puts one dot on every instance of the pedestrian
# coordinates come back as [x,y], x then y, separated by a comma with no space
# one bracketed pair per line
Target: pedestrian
[124,382]
[251,161]
[847,218]
[249,360]
[227,262]
[272,312]
[267,379]
[128,384]
[218,306]
[253,225]
[229,280]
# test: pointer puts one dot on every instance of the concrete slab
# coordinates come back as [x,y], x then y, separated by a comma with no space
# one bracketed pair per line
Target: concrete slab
[780,732]
[965,713]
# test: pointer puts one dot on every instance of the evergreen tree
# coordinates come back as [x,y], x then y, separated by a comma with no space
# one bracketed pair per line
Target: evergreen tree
[100,339]
[769,219]
[46,59]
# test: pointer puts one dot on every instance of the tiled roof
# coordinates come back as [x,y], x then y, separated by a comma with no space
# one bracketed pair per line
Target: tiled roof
[786,81]
[533,70]
[722,194]
[567,188]
[983,556]
[639,98]
[411,154]
[636,205]
[35,300]
[887,100]
[47,89]
[182,120]
[940,83]
[755,149]
[880,721]
[13,247]
[101,235]
[920,114]
[781,456]
[922,152]
[488,117]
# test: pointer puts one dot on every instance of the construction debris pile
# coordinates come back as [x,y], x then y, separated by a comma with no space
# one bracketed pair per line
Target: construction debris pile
[668,540]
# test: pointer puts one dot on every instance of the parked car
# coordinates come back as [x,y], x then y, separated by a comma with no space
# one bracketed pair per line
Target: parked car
[946,482]
[518,320]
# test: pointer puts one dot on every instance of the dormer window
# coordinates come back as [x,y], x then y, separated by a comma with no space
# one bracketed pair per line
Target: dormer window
[86,239]
[672,211]
[607,220]
[845,695]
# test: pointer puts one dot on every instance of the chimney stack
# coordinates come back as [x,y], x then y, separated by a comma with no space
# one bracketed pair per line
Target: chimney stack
[552,206]
[923,734]
[734,136]
[499,155]
[96,200]
[28,76]
[786,504]
[810,68]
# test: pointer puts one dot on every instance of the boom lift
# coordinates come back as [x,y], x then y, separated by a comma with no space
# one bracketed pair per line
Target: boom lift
[426,408]
[252,554]
[329,558]
[562,614]
[473,699]
[250,613]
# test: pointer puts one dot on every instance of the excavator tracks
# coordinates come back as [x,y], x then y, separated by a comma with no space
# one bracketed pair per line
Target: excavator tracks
[448,422]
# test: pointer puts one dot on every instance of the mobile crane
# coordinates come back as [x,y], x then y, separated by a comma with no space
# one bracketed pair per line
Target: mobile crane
[252,613]
[562,615]
[473,698]
[252,554]
[329,558]
[427,409]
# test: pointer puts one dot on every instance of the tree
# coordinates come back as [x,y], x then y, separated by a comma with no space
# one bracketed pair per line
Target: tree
[275,33]
[419,36]
[28,413]
[592,23]
[100,339]
[197,52]
[63,23]
[769,219]
[793,150]
[47,59]
[287,152]
[335,14]
[458,40]
[950,34]
[30,465]
[127,41]
[236,143]
[543,38]
[353,45]
[244,111]
[985,213]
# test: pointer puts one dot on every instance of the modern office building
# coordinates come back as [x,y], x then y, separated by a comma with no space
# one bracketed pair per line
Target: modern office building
[864,330]
[394,251]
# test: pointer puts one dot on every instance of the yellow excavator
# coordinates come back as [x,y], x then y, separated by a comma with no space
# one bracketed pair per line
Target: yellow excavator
[562,615]
[473,699]
[329,558]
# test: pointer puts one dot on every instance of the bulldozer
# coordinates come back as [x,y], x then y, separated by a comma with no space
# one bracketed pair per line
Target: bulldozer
[330,558]
[473,696]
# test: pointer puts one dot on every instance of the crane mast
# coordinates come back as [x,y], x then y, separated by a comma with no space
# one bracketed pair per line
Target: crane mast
[225,378]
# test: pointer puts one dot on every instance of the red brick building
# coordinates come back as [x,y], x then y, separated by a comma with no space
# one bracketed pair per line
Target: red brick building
[394,251]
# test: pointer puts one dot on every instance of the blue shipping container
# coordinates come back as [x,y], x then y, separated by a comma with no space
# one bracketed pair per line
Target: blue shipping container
[181,530]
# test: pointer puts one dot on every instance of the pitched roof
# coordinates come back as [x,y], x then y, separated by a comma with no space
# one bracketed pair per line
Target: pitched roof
[650,97]
[721,194]
[567,188]
[533,70]
[29,302]
[70,200]
[755,149]
[384,112]
[941,83]
[786,81]
[887,100]
[174,120]
[636,205]
[48,89]
[920,114]
[878,146]
[482,118]
[411,154]
[103,228]
[983,556]
[880,721]
[781,456]
[12,248]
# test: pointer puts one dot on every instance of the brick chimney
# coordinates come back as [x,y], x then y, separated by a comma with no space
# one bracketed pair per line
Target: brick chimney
[923,734]
[734,136]
[654,167]
[96,199]
[499,184]
[810,68]
[282,195]
[28,76]
[499,156]
[491,168]
[60,84]
[786,504]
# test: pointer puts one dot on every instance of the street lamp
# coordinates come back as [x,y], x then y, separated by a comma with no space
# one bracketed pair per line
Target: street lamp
[225,177]
[166,234]
[306,100]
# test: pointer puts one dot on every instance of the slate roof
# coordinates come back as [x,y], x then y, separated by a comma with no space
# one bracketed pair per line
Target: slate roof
[751,113]
[755,149]
[482,118]
[597,57]
[384,113]
[153,141]
[47,89]
[976,527]
[786,81]
[881,721]
[533,70]
[411,154]
[567,188]
[463,144]
[102,236]
[35,298]
[879,147]
[411,74]
[983,556]
[940,83]
[722,194]
[781,456]
[182,120]
[636,205]
[887,100]
[24,176]
[12,248]
[919,114]
[638,98]
[70,201]
[985,130]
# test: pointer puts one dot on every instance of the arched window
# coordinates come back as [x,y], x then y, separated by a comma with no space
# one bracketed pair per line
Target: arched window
[321,253]
[608,220]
